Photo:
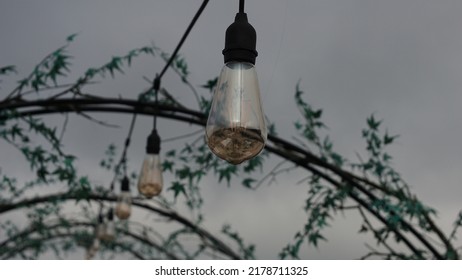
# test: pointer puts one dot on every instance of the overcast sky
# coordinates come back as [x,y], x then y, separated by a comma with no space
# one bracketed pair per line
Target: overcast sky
[399,59]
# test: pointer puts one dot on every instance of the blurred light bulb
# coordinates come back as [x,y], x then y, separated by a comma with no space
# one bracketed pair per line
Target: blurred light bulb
[150,181]
[109,227]
[100,230]
[236,129]
[91,252]
[124,201]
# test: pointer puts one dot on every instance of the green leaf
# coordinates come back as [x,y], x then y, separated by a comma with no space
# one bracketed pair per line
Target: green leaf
[177,188]
[71,37]
[226,173]
[317,114]
[183,173]
[8,69]
[313,238]
[389,139]
[338,159]
[272,129]
[363,229]
[297,125]
[167,165]
[248,182]
[210,84]
[372,123]
[84,182]
[253,163]
[170,153]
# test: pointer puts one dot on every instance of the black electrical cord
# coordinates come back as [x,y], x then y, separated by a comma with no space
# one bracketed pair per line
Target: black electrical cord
[185,35]
[156,87]
[156,100]
[241,6]
[156,82]
[123,159]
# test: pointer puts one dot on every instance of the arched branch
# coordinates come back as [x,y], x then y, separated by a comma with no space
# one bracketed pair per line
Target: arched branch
[205,235]
[31,243]
[276,145]
[71,224]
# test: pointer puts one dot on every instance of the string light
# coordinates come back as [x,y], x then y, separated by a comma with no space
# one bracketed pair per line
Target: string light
[124,201]
[150,181]
[236,129]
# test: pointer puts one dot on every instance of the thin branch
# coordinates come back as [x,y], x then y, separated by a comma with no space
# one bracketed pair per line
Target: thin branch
[222,247]
[186,81]
[376,233]
[301,143]
[63,130]
[273,173]
[68,87]
[88,117]
[381,254]
[441,235]
[182,136]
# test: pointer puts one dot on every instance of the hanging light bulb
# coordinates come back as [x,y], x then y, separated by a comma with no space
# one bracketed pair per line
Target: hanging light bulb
[150,180]
[100,230]
[93,249]
[236,129]
[109,228]
[124,202]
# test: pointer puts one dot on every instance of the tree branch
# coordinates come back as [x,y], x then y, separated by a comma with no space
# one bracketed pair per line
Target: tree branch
[221,247]
[280,147]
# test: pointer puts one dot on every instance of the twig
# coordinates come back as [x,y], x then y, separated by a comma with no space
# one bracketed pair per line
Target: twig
[64,126]
[182,136]
[88,117]
[376,233]
[274,172]
[186,81]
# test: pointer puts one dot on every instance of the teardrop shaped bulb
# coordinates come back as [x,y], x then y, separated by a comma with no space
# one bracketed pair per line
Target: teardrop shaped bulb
[101,231]
[124,205]
[236,129]
[93,249]
[109,234]
[150,180]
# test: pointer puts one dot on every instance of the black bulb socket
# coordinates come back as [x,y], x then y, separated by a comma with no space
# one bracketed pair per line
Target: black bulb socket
[125,185]
[240,41]
[110,215]
[153,143]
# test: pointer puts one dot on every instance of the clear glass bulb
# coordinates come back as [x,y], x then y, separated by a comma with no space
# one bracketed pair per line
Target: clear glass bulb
[150,181]
[236,129]
[101,230]
[109,233]
[124,205]
[91,252]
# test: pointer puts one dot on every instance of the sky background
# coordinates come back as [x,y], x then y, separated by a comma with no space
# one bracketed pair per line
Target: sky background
[398,59]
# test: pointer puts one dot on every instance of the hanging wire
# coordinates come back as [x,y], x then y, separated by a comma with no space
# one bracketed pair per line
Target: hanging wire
[241,6]
[157,80]
[123,158]
[185,35]
[156,87]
